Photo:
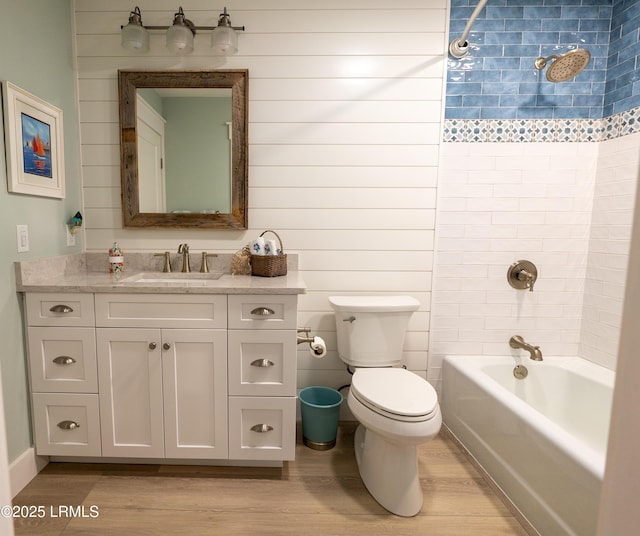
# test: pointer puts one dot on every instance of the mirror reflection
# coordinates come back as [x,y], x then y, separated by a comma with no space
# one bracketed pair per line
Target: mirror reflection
[183,145]
[184,150]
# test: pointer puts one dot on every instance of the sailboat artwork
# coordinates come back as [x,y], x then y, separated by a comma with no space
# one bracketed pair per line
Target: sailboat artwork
[36,146]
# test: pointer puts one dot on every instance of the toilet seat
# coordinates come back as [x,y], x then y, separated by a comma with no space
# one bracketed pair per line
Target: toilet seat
[395,393]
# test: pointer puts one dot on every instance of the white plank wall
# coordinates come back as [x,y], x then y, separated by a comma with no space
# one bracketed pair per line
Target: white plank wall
[345,107]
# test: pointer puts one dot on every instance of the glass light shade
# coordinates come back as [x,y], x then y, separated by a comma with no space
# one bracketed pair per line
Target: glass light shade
[179,39]
[134,37]
[224,40]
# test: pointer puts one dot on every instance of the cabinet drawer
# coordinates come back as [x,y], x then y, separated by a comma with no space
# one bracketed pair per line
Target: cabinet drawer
[66,424]
[262,428]
[262,312]
[63,360]
[161,310]
[59,309]
[262,363]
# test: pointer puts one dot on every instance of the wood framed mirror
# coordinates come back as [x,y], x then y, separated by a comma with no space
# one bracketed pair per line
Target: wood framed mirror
[203,181]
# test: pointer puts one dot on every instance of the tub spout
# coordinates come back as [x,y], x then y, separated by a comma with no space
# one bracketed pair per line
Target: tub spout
[534,351]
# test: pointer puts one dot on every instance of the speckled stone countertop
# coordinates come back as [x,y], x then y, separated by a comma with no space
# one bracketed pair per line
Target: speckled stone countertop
[88,272]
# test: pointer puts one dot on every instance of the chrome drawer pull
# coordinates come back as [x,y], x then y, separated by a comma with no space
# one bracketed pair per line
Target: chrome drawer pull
[68,425]
[261,428]
[61,309]
[263,311]
[262,363]
[64,360]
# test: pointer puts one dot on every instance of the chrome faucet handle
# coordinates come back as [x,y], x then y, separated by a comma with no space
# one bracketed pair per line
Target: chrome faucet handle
[522,275]
[527,277]
[204,266]
[184,250]
[167,260]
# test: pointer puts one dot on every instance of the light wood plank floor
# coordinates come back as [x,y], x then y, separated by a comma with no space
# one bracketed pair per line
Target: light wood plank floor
[318,493]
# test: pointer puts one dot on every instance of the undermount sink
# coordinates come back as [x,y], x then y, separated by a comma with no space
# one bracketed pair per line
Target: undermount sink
[182,278]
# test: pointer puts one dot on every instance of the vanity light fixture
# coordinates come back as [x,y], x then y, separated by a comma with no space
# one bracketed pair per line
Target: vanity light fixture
[180,35]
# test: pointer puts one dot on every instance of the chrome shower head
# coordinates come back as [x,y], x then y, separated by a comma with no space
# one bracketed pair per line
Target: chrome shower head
[565,66]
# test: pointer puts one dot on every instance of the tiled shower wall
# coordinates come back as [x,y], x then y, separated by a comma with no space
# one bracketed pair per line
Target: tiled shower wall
[526,210]
[498,80]
[498,203]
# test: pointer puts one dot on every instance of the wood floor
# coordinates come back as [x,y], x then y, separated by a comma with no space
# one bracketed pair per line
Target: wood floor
[318,493]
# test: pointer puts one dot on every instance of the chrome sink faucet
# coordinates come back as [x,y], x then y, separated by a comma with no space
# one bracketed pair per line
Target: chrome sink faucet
[534,351]
[184,250]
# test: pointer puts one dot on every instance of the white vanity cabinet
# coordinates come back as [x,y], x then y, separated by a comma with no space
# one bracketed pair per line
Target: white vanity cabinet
[63,374]
[262,377]
[164,376]
[163,391]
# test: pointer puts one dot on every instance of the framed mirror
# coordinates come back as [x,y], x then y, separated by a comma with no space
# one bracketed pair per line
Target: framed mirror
[183,148]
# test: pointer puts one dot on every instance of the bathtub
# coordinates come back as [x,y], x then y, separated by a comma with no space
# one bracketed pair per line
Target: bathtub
[542,439]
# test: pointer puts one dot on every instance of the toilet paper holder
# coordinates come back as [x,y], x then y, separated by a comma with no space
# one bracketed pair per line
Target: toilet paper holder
[317,346]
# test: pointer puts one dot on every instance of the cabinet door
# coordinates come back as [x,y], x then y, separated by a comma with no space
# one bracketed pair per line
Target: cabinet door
[195,393]
[130,382]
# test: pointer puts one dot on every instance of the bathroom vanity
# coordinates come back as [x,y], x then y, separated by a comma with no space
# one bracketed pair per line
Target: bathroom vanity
[184,369]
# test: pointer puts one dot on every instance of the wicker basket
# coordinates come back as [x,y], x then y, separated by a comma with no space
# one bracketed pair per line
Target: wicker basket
[270,265]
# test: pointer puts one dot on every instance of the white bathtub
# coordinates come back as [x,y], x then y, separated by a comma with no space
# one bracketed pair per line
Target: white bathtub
[542,439]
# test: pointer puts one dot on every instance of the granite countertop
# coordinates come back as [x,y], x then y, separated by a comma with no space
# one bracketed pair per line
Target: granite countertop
[88,272]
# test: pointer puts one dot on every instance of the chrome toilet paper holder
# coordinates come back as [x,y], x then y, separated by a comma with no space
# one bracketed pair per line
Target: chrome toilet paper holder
[316,345]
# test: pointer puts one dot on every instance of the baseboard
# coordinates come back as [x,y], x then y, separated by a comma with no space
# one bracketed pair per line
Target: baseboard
[24,469]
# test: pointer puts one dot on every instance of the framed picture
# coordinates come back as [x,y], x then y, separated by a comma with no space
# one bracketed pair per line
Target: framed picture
[33,142]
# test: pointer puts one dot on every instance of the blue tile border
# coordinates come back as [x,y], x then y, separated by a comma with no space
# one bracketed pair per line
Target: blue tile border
[542,130]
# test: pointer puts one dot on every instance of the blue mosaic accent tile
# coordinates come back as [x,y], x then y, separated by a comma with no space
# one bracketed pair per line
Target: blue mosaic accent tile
[542,130]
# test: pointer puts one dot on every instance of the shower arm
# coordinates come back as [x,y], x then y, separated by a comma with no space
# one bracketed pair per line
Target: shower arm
[459,48]
[541,62]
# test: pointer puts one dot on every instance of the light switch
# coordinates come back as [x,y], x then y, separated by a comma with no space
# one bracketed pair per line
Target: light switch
[23,238]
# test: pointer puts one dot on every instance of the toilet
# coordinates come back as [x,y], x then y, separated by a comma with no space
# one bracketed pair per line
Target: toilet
[397,409]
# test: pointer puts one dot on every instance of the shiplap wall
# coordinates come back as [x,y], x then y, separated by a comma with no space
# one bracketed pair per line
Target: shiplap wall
[345,105]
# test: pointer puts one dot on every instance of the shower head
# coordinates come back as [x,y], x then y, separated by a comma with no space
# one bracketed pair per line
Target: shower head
[565,66]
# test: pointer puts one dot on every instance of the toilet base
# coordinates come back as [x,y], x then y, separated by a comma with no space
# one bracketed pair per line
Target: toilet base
[389,471]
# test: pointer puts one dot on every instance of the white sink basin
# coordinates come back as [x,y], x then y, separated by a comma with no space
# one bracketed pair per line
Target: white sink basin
[175,278]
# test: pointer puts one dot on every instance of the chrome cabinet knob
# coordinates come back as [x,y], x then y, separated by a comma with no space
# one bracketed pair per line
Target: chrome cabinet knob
[152,346]
[60,308]
[64,360]
[261,363]
[68,425]
[166,346]
[263,311]
[261,428]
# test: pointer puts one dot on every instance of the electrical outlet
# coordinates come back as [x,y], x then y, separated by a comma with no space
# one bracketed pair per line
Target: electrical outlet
[23,238]
[71,238]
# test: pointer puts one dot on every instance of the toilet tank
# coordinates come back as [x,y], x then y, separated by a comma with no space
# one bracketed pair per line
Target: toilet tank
[370,329]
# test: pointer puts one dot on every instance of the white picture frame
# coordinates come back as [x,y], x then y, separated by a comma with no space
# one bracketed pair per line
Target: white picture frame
[34,144]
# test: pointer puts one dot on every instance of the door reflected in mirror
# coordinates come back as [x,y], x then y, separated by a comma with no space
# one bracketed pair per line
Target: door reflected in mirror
[183,148]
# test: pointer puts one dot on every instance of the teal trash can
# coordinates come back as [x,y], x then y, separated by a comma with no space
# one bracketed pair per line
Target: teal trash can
[320,409]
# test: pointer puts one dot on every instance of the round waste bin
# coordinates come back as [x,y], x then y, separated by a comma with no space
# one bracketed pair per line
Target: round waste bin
[320,409]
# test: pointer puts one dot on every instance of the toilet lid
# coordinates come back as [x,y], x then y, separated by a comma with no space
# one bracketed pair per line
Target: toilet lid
[394,391]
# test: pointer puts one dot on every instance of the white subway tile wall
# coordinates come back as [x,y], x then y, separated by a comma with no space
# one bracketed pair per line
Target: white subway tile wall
[613,206]
[499,203]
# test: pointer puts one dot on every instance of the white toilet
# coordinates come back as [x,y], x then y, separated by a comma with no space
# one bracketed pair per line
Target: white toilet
[396,408]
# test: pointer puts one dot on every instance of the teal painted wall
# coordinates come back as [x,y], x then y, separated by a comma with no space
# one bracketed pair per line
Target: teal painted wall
[197,175]
[39,61]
